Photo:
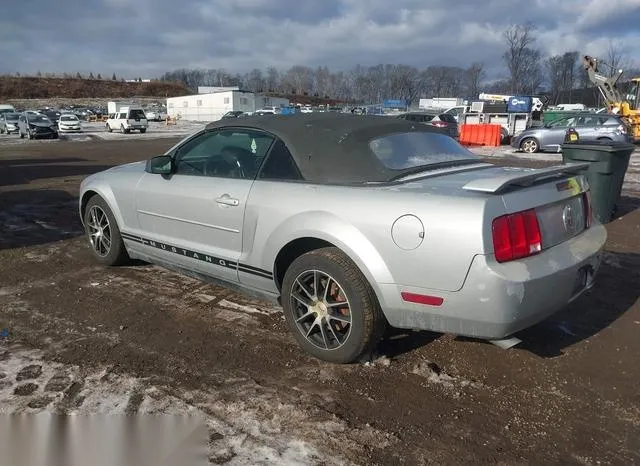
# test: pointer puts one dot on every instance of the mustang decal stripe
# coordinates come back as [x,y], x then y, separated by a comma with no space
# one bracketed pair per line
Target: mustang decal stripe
[229,264]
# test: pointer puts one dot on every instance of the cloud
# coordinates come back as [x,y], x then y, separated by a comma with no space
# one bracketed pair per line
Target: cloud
[148,37]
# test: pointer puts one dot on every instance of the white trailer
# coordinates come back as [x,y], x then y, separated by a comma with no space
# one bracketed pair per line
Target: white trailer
[114,107]
[212,106]
[439,103]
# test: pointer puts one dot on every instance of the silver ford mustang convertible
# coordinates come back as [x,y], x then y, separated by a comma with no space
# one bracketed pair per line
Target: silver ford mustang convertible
[353,223]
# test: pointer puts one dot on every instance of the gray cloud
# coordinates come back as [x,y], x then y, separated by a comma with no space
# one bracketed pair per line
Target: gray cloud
[147,37]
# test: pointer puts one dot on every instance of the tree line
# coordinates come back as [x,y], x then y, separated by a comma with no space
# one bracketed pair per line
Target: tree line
[529,72]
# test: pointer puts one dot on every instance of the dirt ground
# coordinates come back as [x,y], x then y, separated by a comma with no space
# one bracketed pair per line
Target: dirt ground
[77,337]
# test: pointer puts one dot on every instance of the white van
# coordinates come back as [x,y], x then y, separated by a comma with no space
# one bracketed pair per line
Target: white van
[6,108]
[128,119]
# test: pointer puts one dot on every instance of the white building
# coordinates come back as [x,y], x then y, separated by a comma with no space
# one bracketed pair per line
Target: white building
[211,106]
[212,89]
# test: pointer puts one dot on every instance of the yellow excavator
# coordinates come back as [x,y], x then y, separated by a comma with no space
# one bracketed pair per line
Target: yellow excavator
[628,105]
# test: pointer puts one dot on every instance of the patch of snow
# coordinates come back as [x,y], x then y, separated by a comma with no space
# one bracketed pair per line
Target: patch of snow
[254,430]
[247,309]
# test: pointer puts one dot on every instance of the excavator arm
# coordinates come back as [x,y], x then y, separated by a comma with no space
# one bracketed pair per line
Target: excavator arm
[605,84]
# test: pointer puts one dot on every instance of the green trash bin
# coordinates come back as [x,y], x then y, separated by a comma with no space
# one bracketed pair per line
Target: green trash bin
[608,163]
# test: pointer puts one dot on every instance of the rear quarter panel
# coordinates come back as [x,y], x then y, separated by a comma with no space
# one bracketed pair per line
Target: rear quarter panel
[359,221]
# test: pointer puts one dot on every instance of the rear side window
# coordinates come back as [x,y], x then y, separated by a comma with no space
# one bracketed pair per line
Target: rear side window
[401,151]
[279,164]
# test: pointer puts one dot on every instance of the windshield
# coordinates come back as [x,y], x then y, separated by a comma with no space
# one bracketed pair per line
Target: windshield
[403,151]
[68,118]
[38,119]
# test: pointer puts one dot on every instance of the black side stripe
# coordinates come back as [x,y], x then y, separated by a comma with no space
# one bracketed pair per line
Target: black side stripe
[226,263]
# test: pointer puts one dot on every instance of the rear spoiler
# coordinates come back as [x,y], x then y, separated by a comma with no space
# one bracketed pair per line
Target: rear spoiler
[498,184]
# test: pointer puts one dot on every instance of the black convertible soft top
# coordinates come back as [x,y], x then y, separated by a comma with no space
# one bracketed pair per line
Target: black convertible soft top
[331,147]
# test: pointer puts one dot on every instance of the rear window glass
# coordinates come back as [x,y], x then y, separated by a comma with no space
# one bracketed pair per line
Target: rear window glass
[133,114]
[68,118]
[400,151]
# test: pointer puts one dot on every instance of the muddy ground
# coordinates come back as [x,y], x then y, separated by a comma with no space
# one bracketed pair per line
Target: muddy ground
[77,337]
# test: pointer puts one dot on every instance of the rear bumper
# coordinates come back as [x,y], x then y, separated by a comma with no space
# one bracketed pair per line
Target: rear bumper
[498,300]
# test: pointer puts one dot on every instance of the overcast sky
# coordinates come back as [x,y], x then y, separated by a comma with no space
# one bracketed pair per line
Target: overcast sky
[148,37]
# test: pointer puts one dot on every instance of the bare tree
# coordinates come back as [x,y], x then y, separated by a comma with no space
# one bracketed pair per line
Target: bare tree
[255,81]
[616,57]
[272,79]
[522,59]
[298,79]
[554,68]
[473,77]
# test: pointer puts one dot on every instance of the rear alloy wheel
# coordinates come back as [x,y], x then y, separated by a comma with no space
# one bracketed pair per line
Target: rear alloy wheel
[529,145]
[103,233]
[330,307]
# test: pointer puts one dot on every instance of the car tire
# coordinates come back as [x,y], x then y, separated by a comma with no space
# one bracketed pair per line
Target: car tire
[109,128]
[30,134]
[504,136]
[529,145]
[143,130]
[100,223]
[322,332]
[122,130]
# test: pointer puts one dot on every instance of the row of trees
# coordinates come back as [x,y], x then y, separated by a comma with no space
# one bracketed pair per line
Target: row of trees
[78,75]
[528,72]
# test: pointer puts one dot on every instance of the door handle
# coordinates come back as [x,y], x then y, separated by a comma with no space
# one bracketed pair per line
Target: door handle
[228,200]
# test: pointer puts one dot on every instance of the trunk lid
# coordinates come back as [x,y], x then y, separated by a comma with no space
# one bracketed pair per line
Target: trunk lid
[557,194]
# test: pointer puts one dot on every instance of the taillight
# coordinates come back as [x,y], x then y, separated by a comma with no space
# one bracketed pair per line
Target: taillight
[439,124]
[588,212]
[516,236]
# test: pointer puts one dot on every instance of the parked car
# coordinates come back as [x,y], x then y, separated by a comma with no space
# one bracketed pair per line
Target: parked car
[128,119]
[590,127]
[155,114]
[352,223]
[9,122]
[36,125]
[53,115]
[445,121]
[69,123]
[234,114]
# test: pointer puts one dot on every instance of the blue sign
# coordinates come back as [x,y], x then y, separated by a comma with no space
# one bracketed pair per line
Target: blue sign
[519,104]
[395,103]
[287,110]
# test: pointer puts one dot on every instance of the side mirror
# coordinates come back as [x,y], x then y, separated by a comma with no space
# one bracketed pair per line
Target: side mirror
[160,165]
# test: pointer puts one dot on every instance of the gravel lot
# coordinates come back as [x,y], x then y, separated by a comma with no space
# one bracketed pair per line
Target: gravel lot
[85,339]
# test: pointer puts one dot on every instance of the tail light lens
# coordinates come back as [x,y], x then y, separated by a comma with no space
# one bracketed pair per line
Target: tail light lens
[588,212]
[439,124]
[516,236]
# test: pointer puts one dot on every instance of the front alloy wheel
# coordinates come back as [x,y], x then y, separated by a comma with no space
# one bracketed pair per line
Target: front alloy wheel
[529,145]
[99,231]
[103,233]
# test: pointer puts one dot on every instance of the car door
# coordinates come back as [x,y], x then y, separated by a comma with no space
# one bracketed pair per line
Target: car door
[587,127]
[552,137]
[194,217]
